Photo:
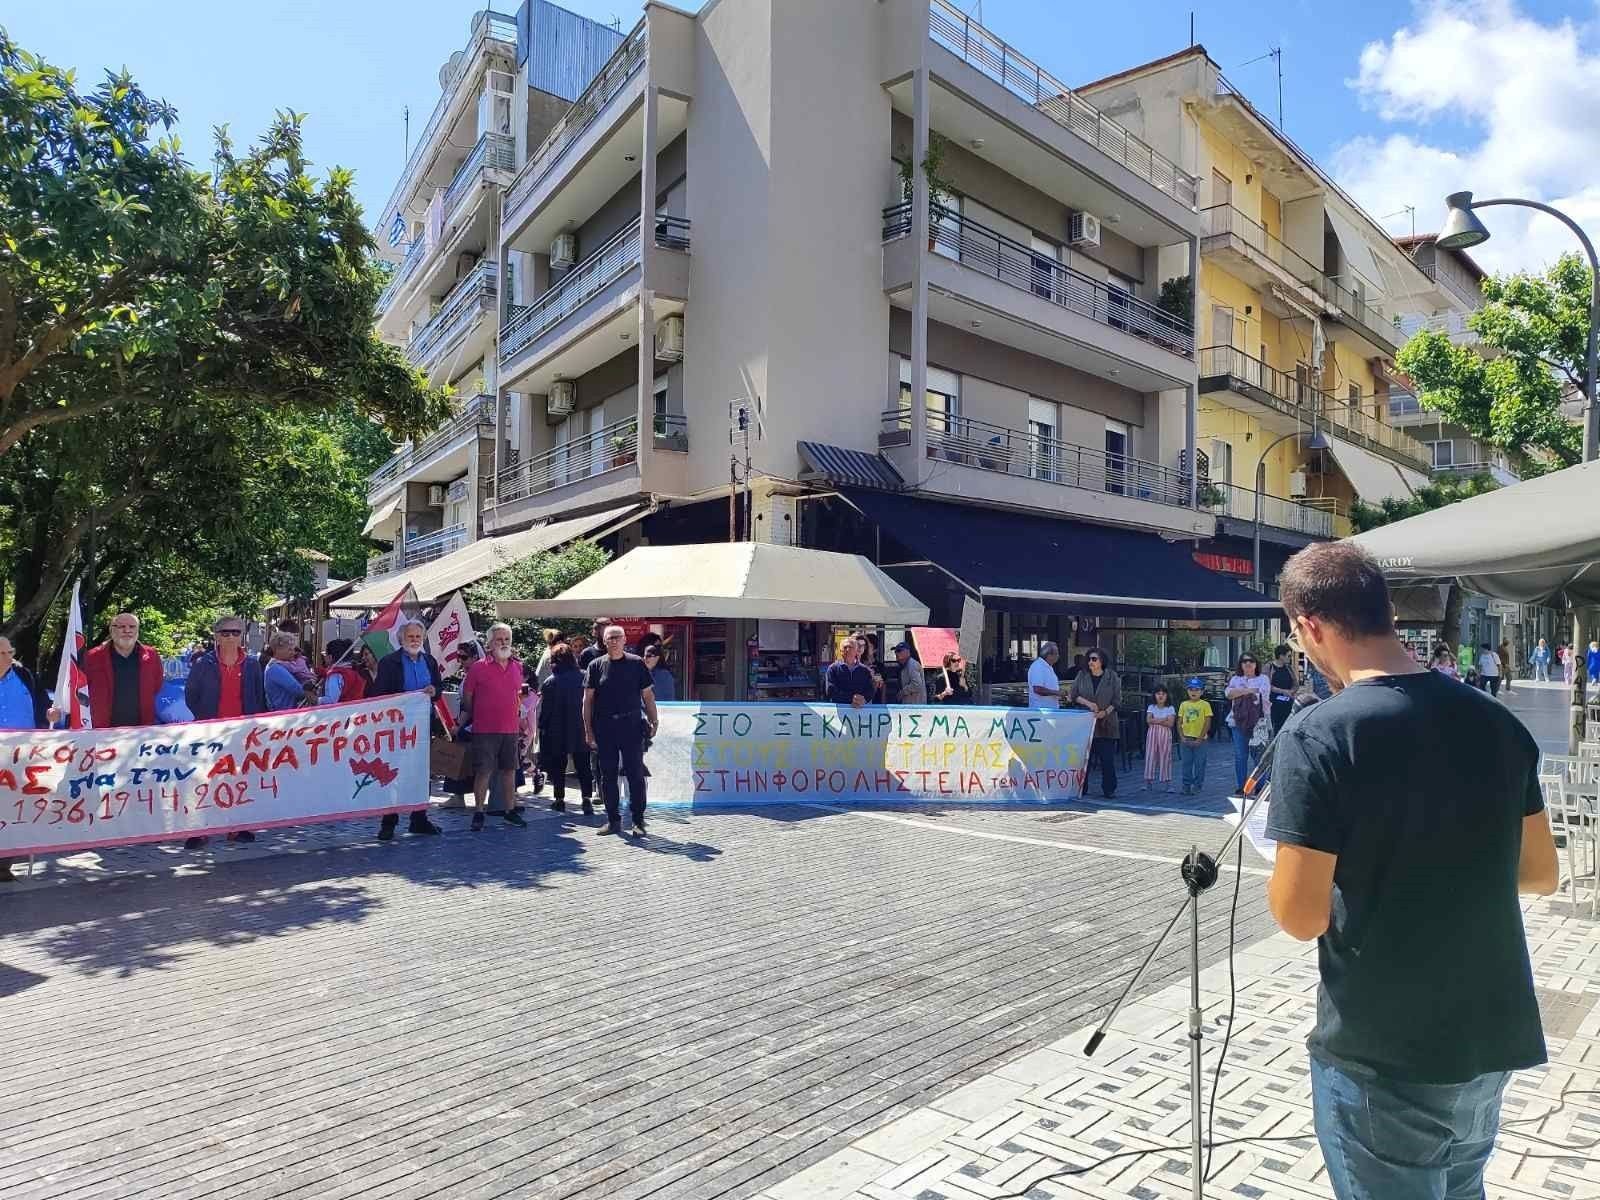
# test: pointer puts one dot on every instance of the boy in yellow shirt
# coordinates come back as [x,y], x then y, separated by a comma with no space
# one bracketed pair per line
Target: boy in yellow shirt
[1194,726]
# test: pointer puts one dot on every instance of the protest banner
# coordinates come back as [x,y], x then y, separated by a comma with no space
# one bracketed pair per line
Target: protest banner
[69,789]
[712,753]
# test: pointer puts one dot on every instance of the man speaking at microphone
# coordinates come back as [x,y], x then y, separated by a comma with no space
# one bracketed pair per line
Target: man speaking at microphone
[1408,817]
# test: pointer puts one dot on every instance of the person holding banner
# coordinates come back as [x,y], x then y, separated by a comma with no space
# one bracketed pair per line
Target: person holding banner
[491,699]
[225,682]
[23,705]
[619,712]
[409,669]
[124,677]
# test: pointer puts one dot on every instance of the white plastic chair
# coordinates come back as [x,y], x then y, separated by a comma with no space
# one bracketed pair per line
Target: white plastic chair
[1573,818]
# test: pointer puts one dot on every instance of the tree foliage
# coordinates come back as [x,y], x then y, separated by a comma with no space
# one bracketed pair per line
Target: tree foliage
[537,577]
[1535,327]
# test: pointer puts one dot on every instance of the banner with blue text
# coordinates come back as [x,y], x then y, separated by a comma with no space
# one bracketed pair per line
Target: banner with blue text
[715,753]
[72,789]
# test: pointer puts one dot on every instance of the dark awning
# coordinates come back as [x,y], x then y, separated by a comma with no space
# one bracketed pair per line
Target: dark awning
[1019,561]
[851,468]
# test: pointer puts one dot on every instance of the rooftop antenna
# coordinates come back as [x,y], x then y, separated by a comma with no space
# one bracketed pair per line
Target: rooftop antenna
[406,110]
[1405,208]
[1191,29]
[1276,54]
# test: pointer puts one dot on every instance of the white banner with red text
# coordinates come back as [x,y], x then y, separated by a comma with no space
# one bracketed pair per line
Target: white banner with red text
[66,790]
[782,753]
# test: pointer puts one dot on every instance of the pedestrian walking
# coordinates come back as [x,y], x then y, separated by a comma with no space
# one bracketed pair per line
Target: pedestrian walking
[666,687]
[1592,662]
[1408,817]
[408,669]
[1568,659]
[1444,662]
[1508,665]
[1284,682]
[124,676]
[847,680]
[1099,689]
[23,705]
[1247,693]
[954,689]
[1159,719]
[1194,728]
[913,683]
[225,683]
[1489,669]
[619,714]
[561,729]
[1044,685]
[1539,660]
[491,699]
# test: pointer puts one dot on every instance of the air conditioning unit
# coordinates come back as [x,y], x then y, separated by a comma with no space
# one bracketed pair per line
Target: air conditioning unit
[564,250]
[1297,485]
[669,339]
[1083,229]
[562,398]
[436,494]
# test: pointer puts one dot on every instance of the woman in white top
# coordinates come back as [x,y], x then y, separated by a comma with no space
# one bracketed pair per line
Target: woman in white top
[1248,692]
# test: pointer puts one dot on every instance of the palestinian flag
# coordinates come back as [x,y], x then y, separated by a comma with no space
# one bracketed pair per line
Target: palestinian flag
[382,634]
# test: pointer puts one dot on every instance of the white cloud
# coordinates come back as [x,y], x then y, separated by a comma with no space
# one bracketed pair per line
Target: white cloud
[1487,98]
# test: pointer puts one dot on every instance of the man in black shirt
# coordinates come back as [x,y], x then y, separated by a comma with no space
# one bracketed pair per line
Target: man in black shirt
[847,681]
[1408,817]
[619,712]
[597,644]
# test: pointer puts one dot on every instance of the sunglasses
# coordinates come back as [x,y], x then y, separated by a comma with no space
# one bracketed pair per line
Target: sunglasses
[230,633]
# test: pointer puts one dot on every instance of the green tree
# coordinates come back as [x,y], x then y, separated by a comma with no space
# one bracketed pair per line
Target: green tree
[1537,325]
[1441,492]
[537,577]
[170,340]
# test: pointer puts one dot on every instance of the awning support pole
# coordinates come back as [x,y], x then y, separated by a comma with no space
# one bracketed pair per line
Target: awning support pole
[1580,682]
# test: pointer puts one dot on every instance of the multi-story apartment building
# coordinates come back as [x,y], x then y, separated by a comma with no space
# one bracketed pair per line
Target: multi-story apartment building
[1303,301]
[440,231]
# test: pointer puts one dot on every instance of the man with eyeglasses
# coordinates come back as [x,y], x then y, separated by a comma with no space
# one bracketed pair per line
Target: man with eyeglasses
[124,677]
[225,682]
[619,712]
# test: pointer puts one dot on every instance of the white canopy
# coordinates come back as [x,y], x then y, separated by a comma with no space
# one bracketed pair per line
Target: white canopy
[734,579]
[381,515]
[1374,477]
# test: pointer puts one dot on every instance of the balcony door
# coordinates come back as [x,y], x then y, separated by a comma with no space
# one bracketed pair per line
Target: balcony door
[1044,439]
[1119,441]
[943,399]
[1042,269]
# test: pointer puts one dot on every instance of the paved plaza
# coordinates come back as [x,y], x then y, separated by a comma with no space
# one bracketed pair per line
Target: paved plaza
[780,1003]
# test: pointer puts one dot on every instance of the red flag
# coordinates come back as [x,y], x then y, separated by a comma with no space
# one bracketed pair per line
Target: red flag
[72,685]
[445,719]
[382,633]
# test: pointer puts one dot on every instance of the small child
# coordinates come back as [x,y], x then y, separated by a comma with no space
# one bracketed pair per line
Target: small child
[1159,719]
[1194,727]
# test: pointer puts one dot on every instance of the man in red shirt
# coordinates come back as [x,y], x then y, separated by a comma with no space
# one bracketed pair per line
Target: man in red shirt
[491,700]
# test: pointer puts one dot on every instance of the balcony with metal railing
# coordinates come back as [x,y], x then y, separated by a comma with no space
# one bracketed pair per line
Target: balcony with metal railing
[1261,258]
[1358,308]
[613,448]
[1452,324]
[986,252]
[464,306]
[604,274]
[1280,512]
[476,418]
[493,152]
[415,253]
[1024,78]
[1454,281]
[596,99]
[424,549]
[379,565]
[1224,369]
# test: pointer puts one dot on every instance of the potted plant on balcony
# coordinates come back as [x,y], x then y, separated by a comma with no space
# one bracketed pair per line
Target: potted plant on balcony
[623,451]
[940,192]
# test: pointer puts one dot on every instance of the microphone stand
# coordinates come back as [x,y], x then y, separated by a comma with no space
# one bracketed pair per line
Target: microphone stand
[1199,871]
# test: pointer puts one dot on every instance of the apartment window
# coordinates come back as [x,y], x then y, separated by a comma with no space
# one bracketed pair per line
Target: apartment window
[1046,254]
[1119,442]
[1044,436]
[658,405]
[1221,461]
[1120,289]
[1221,188]
[943,396]
[1221,325]
[1444,453]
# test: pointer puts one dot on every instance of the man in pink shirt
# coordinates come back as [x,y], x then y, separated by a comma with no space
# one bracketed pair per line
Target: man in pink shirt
[491,699]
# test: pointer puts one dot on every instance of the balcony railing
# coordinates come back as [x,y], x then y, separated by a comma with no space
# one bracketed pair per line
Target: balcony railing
[461,308]
[972,443]
[379,565]
[486,27]
[1404,404]
[609,449]
[629,57]
[1223,220]
[1464,289]
[998,257]
[415,253]
[1226,500]
[434,545]
[1452,324]
[1306,401]
[1026,79]
[494,152]
[671,431]
[479,411]
[1359,305]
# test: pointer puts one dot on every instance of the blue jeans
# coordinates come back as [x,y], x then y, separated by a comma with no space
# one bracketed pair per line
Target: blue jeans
[1386,1140]
[1244,757]
[1194,766]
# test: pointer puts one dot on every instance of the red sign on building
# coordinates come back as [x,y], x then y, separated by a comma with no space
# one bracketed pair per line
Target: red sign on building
[1228,564]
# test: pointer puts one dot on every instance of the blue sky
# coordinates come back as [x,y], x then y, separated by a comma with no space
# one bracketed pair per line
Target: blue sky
[1389,124]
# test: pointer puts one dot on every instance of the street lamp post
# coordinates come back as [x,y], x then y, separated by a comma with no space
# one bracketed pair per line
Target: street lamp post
[1462,230]
[1317,442]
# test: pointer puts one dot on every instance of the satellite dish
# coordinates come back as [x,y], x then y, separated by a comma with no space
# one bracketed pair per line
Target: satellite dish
[451,68]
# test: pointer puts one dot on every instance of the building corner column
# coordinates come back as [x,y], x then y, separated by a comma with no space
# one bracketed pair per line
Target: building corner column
[646,337]
[920,232]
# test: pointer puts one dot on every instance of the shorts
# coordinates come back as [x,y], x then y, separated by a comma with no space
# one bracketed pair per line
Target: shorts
[494,752]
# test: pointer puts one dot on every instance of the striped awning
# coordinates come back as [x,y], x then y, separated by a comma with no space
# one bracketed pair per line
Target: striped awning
[851,468]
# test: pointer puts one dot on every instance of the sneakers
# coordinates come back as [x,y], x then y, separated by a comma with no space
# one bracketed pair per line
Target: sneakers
[193,843]
[638,829]
[588,808]
[558,806]
[422,827]
[515,818]
[477,821]
[386,827]
[610,827]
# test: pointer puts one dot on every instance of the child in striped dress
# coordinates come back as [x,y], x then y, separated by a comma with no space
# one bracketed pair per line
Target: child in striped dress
[1159,719]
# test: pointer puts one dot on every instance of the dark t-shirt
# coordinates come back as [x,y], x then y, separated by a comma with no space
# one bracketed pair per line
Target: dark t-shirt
[590,653]
[1420,786]
[844,681]
[617,684]
[125,688]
